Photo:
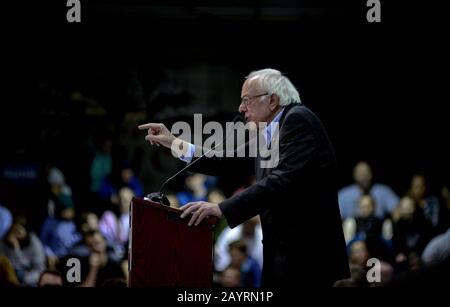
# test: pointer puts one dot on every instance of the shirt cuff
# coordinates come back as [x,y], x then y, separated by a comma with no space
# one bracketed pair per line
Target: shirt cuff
[189,154]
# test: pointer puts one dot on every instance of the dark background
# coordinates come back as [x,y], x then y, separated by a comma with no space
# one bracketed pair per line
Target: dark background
[380,89]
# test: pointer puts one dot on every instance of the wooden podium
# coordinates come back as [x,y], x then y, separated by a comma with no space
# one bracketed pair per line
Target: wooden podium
[164,251]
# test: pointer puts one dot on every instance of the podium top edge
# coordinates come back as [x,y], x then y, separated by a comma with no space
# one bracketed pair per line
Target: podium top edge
[154,204]
[212,220]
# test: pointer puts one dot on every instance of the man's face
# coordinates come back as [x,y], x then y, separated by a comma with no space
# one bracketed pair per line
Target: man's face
[19,231]
[68,214]
[50,280]
[418,187]
[257,109]
[359,253]
[362,174]
[96,243]
[366,206]
[237,257]
[127,174]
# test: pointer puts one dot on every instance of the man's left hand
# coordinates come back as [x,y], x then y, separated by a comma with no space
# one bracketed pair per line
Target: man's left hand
[200,210]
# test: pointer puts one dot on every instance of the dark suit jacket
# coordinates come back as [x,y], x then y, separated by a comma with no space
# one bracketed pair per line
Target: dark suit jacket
[297,201]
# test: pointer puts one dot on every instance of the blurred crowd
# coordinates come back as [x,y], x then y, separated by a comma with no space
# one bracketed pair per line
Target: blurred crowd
[408,234]
[405,234]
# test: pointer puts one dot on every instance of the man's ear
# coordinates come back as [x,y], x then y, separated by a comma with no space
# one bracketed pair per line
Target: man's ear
[274,102]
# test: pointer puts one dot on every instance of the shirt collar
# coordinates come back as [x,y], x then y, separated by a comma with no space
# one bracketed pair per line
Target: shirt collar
[267,132]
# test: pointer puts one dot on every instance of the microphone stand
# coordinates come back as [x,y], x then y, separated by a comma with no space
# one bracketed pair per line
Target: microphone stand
[159,197]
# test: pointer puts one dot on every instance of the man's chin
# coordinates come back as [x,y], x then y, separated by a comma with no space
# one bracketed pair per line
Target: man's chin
[251,125]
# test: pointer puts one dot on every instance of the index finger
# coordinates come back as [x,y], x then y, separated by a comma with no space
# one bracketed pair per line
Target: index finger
[148,126]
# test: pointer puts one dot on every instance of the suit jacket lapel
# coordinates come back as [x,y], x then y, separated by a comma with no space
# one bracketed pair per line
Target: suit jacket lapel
[286,110]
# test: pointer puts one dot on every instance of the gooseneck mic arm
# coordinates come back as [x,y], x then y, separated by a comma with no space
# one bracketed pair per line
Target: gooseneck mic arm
[159,197]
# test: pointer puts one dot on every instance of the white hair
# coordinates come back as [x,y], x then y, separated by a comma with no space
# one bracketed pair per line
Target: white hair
[273,81]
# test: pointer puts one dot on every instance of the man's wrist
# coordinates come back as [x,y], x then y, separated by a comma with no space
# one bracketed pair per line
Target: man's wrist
[220,212]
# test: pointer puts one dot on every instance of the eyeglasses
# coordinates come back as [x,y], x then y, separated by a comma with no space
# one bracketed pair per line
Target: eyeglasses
[245,101]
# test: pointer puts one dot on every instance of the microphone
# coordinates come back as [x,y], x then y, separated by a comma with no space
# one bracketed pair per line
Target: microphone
[159,197]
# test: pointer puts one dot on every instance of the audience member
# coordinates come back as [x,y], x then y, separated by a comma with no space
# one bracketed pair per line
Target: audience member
[195,189]
[384,196]
[50,278]
[250,270]
[411,231]
[250,232]
[59,233]
[5,221]
[434,212]
[25,252]
[114,224]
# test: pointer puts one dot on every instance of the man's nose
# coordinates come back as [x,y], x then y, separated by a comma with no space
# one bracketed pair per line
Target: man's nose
[242,108]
